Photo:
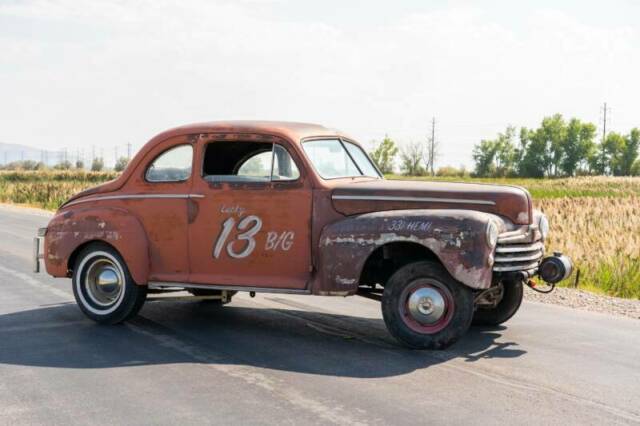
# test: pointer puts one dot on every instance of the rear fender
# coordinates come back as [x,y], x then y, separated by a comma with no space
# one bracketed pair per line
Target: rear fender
[456,237]
[69,230]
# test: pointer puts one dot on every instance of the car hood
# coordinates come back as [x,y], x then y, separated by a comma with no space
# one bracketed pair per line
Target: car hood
[359,197]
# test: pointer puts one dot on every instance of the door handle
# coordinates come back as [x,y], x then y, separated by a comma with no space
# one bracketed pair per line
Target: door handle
[196,195]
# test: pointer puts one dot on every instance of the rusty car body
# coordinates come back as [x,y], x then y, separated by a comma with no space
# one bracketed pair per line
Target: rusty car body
[217,208]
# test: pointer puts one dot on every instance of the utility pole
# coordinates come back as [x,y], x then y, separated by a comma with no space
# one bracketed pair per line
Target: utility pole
[128,150]
[604,138]
[432,146]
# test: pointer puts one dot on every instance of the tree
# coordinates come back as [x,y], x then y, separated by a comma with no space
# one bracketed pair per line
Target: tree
[629,152]
[554,131]
[484,155]
[506,153]
[496,157]
[577,145]
[614,148]
[79,164]
[411,157]
[384,155]
[121,164]
[63,165]
[97,165]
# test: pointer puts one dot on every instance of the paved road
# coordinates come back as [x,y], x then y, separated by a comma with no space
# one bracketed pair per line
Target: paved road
[295,360]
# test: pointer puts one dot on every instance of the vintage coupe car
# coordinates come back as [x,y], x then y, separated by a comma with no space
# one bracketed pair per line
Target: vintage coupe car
[222,207]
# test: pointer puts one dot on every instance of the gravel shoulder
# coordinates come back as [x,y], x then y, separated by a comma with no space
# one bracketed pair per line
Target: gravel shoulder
[569,297]
[584,300]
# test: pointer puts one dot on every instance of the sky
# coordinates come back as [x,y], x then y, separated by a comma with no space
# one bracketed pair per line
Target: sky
[79,75]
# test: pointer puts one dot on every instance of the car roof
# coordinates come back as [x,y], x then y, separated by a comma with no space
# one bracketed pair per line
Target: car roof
[291,130]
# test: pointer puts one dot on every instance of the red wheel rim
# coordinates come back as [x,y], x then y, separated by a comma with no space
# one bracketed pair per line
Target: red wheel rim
[426,306]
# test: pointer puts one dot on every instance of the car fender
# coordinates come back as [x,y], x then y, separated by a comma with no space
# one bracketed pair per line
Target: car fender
[71,229]
[456,237]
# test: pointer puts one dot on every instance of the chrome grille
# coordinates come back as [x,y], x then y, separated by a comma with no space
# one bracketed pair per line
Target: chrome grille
[518,251]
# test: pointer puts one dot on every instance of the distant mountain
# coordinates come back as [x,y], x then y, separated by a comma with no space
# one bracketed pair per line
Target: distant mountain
[13,152]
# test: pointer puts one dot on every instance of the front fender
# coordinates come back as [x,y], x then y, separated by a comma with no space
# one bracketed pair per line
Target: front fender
[456,237]
[70,229]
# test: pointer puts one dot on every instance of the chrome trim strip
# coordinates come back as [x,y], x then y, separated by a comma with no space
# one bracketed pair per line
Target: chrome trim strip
[512,268]
[413,199]
[502,259]
[519,249]
[135,197]
[36,254]
[159,285]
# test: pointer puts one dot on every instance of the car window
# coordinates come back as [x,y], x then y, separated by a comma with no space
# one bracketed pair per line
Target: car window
[361,159]
[239,161]
[330,159]
[258,165]
[173,165]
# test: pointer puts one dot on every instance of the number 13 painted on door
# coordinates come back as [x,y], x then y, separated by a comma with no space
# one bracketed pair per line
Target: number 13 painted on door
[248,228]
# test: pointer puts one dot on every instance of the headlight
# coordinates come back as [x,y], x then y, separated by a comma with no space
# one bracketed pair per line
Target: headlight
[543,226]
[492,234]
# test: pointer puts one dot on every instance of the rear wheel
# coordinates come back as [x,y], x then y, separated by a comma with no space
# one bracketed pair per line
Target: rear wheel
[512,294]
[425,308]
[103,286]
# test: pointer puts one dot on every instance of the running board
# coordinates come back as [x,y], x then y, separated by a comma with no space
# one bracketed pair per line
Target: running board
[161,285]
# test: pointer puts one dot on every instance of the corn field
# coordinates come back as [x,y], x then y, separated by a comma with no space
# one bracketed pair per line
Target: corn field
[46,189]
[594,220]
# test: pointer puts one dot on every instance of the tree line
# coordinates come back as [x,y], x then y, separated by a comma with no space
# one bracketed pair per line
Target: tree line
[97,165]
[557,148]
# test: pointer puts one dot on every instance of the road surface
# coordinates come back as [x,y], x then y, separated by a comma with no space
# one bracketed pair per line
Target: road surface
[281,359]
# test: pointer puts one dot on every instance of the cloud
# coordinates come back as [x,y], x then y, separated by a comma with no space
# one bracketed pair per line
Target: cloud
[116,71]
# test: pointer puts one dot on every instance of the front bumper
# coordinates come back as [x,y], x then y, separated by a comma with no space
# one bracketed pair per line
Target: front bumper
[37,255]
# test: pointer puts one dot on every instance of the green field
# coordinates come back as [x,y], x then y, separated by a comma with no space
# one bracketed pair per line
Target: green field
[595,220]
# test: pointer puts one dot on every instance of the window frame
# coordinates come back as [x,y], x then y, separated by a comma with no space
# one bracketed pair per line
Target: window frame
[342,141]
[160,154]
[246,157]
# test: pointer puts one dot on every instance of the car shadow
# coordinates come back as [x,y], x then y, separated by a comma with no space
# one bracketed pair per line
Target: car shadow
[293,340]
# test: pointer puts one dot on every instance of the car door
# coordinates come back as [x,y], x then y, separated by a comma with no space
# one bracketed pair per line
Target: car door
[250,225]
[158,197]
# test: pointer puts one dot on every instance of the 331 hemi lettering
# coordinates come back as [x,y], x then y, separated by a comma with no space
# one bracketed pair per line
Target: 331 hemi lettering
[248,228]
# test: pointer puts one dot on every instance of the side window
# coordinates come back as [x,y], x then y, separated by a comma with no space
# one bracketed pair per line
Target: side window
[248,162]
[173,165]
[257,165]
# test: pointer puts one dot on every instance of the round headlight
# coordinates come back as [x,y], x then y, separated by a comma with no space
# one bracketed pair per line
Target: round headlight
[492,234]
[543,226]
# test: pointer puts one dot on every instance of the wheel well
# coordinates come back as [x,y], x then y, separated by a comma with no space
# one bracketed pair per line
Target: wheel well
[387,259]
[74,255]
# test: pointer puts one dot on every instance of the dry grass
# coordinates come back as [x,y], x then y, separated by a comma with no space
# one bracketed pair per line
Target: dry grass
[48,189]
[602,236]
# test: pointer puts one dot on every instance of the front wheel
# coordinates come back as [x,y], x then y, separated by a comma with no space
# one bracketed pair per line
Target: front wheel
[505,309]
[103,286]
[425,308]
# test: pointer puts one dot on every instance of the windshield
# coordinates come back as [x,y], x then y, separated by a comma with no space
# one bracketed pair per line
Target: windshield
[333,158]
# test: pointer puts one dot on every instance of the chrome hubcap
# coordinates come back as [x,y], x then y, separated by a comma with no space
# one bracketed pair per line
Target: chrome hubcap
[103,282]
[426,305]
